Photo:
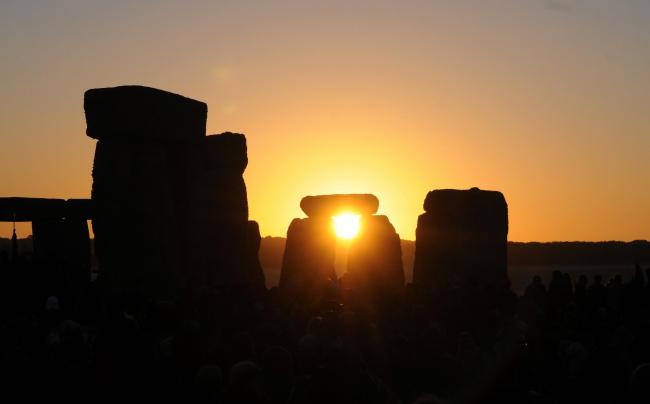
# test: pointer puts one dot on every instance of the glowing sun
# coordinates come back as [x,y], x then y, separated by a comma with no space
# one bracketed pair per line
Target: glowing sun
[346,225]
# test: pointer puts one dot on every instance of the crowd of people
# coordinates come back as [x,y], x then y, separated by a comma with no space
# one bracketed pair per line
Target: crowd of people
[573,340]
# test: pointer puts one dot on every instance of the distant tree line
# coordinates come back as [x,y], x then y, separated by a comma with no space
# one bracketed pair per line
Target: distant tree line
[579,253]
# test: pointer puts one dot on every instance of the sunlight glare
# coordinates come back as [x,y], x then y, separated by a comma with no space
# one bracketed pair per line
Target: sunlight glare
[346,225]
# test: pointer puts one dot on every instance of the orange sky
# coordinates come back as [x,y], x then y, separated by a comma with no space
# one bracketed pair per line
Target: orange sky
[545,101]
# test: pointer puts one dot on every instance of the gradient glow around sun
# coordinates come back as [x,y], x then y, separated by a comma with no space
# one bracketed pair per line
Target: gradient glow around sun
[346,225]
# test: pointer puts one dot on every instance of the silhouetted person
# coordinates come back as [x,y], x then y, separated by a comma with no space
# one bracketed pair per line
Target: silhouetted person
[638,276]
[536,292]
[506,299]
[567,286]
[558,292]
[580,293]
[615,292]
[14,246]
[597,294]
[278,372]
[208,384]
[245,383]
[640,384]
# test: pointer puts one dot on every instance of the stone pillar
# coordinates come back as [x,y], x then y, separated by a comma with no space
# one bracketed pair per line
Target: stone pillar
[135,223]
[461,237]
[218,236]
[308,263]
[77,243]
[375,258]
[170,204]
[48,235]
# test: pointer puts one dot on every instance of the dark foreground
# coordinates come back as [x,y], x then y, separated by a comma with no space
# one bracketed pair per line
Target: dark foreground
[587,341]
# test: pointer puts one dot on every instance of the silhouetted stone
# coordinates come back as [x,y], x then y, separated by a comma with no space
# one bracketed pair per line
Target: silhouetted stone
[253,240]
[461,237]
[252,274]
[29,209]
[134,224]
[330,205]
[170,204]
[60,240]
[137,112]
[214,213]
[227,258]
[375,258]
[474,209]
[79,208]
[77,252]
[225,162]
[308,263]
[213,184]
[227,152]
[48,237]
[59,227]
[63,246]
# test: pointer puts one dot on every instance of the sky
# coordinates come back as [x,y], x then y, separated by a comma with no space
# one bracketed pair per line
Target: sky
[545,101]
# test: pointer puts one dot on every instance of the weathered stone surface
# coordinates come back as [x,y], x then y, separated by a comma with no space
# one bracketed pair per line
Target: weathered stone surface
[308,263]
[375,258]
[461,237]
[137,113]
[330,205]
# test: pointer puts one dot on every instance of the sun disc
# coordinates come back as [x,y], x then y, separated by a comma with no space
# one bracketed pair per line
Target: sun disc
[346,225]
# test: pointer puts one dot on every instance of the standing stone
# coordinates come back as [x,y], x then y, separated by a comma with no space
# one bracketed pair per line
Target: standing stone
[140,131]
[240,255]
[61,242]
[134,222]
[252,274]
[308,263]
[62,245]
[224,166]
[375,258]
[48,236]
[374,265]
[461,237]
[77,252]
[170,204]
[218,236]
